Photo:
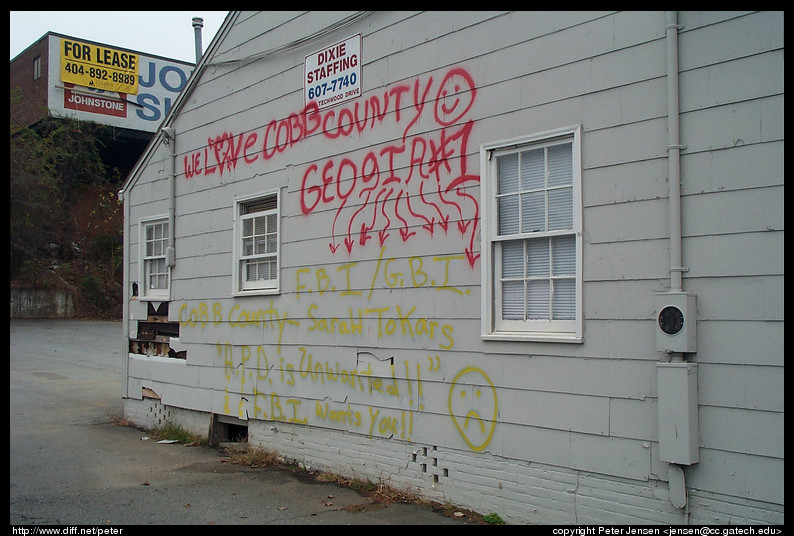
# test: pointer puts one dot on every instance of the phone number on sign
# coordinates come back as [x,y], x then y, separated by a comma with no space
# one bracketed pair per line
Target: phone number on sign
[329,87]
[100,74]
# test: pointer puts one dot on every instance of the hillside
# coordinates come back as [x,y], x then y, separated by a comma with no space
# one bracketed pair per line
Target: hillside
[66,220]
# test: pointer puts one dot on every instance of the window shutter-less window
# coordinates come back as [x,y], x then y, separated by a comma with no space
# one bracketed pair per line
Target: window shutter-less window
[258,244]
[534,241]
[155,273]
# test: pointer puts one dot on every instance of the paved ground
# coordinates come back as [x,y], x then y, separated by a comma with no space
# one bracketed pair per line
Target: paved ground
[72,464]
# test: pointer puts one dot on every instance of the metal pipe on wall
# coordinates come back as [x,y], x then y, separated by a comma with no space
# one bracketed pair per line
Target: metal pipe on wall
[125,295]
[198,24]
[170,141]
[674,152]
[676,472]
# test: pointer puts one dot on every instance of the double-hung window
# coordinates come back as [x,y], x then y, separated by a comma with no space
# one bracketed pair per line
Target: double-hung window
[532,266]
[257,244]
[155,274]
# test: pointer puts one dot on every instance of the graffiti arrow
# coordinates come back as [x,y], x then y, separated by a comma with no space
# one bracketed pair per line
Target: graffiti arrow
[428,225]
[443,219]
[405,232]
[382,234]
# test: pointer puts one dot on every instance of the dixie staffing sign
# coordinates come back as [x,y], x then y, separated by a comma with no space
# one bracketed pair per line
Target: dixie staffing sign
[333,75]
[98,67]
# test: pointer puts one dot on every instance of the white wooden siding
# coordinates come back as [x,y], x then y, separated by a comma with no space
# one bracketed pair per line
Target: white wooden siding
[576,433]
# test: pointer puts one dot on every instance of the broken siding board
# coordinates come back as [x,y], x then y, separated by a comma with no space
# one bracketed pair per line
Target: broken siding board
[187,397]
[163,369]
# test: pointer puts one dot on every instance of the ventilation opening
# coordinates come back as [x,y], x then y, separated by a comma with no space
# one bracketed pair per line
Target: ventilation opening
[225,429]
[428,459]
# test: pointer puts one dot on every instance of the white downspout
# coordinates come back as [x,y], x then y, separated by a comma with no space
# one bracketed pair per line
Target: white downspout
[676,472]
[125,292]
[170,141]
[674,152]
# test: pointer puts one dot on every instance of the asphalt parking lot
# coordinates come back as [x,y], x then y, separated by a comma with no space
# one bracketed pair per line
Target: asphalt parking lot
[72,463]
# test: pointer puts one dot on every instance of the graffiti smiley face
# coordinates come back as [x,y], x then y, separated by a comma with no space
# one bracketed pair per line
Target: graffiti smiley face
[455,97]
[473,407]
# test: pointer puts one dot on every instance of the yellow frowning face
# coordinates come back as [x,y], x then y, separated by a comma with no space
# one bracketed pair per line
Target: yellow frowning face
[473,407]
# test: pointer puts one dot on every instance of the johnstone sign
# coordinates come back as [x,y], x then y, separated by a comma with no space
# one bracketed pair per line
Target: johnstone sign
[333,75]
[111,85]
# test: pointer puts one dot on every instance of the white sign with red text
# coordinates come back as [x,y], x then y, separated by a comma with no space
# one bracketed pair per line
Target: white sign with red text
[333,75]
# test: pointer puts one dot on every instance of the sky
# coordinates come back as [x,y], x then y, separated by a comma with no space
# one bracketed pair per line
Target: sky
[161,33]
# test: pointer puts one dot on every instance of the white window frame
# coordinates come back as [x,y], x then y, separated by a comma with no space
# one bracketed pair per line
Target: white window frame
[267,286]
[146,260]
[493,327]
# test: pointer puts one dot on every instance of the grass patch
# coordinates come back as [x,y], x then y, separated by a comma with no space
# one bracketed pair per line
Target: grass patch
[171,432]
[254,457]
[493,519]
[167,432]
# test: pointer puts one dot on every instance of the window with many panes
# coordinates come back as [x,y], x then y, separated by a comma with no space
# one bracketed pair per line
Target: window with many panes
[532,229]
[155,273]
[257,244]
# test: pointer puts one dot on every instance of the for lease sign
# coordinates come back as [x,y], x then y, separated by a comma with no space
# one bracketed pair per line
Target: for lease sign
[333,75]
[141,106]
[98,67]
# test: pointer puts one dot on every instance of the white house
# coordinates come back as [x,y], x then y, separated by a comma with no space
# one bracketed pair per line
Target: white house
[528,263]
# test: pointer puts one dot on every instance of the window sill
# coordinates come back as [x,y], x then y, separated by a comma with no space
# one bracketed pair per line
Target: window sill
[516,336]
[163,298]
[157,358]
[256,292]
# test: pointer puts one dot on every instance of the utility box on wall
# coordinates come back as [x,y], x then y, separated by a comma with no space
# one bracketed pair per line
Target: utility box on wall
[678,412]
[676,324]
